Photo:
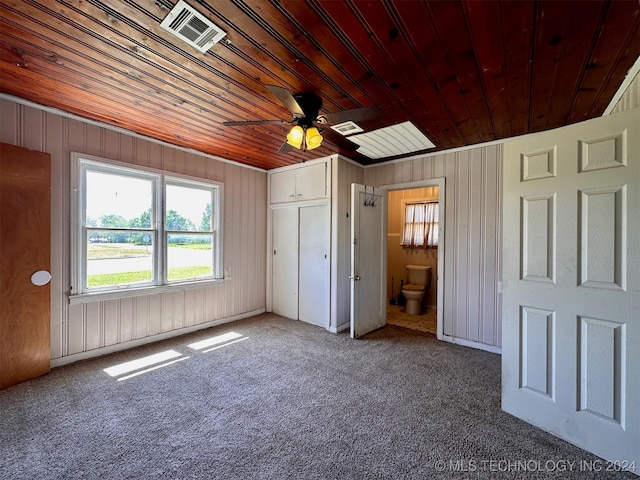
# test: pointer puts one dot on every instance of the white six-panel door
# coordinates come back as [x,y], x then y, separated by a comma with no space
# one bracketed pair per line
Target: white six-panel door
[571,272]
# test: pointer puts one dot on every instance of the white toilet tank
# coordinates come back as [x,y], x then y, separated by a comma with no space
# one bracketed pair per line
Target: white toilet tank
[419,275]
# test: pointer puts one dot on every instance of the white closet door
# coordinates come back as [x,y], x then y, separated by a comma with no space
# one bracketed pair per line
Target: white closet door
[314,265]
[285,262]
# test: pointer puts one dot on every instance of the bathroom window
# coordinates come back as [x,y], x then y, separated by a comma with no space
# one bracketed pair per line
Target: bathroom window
[420,225]
[141,229]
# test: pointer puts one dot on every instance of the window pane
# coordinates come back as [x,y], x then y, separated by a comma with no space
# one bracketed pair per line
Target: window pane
[189,256]
[118,258]
[420,225]
[118,201]
[418,234]
[407,233]
[188,209]
[408,216]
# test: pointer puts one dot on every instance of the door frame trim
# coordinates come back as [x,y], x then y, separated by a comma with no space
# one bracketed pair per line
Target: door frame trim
[439,182]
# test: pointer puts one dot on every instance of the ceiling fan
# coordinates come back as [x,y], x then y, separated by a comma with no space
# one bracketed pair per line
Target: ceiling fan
[309,130]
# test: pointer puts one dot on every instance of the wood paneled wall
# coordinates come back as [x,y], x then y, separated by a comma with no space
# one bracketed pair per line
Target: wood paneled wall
[396,201]
[84,327]
[473,185]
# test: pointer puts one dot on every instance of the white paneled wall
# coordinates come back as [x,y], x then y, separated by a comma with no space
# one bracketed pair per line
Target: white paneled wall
[630,98]
[84,327]
[473,180]
[344,173]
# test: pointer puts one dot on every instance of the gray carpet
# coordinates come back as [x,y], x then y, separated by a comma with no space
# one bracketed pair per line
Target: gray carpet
[286,400]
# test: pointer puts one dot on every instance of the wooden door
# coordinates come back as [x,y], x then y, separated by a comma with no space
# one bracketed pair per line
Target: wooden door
[368,259]
[25,234]
[571,260]
[285,261]
[313,301]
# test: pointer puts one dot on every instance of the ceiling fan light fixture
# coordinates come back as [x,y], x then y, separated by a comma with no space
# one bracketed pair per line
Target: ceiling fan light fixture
[295,136]
[305,108]
[313,138]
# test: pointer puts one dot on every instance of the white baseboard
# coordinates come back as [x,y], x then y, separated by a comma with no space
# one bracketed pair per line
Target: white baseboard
[339,328]
[98,352]
[342,327]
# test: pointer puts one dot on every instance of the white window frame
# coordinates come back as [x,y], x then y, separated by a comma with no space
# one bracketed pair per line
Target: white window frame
[160,179]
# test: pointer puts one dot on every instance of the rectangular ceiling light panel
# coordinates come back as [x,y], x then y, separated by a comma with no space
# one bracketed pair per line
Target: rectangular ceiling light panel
[191,26]
[400,139]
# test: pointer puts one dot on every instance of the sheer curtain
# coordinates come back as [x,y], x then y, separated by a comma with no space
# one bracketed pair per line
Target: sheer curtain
[420,225]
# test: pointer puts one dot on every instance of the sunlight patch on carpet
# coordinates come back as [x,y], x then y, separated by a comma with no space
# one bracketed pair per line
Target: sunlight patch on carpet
[147,370]
[219,341]
[225,345]
[139,366]
[149,363]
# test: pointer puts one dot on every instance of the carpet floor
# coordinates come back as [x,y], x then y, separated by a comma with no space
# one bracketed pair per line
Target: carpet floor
[271,398]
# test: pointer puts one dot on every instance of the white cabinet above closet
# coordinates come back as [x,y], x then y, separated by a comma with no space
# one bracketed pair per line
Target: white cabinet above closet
[308,242]
[307,182]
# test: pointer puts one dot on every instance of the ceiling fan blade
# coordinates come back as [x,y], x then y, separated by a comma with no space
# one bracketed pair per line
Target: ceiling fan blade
[240,123]
[285,148]
[338,140]
[287,99]
[355,115]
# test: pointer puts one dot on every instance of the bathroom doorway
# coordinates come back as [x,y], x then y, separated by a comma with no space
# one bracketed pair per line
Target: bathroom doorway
[429,319]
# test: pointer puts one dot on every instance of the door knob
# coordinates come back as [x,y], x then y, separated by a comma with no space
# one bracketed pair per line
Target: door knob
[356,278]
[40,278]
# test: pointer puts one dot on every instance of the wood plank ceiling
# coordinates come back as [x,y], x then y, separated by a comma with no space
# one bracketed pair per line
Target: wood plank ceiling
[463,71]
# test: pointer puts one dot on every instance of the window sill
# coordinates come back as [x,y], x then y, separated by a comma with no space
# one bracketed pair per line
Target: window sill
[139,291]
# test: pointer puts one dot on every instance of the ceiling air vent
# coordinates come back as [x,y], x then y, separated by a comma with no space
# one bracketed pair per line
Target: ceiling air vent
[192,27]
[347,128]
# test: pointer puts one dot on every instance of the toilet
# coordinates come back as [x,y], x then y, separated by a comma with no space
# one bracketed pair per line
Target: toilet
[418,280]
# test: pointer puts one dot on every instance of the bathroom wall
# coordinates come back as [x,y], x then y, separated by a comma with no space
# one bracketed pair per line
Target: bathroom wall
[397,256]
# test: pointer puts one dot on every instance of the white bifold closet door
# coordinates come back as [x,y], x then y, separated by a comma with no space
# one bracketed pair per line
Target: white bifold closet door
[285,261]
[313,266]
[300,265]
